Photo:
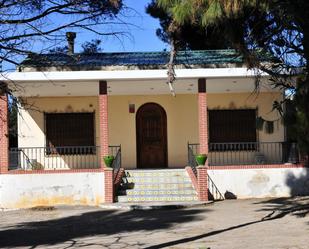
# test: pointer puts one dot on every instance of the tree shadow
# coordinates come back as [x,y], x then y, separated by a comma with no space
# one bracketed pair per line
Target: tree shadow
[200,236]
[280,207]
[299,185]
[267,218]
[103,222]
[296,205]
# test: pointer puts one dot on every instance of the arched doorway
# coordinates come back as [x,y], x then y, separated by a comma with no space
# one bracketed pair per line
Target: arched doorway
[151,136]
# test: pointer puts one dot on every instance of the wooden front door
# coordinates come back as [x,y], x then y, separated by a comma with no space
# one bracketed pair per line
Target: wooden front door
[151,136]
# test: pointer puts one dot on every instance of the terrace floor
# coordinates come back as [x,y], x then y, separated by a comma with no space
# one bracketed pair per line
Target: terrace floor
[257,223]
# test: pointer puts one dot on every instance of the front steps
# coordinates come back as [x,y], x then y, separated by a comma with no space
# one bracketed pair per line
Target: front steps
[166,185]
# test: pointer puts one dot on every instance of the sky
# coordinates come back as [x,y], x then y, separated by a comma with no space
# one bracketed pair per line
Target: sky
[140,36]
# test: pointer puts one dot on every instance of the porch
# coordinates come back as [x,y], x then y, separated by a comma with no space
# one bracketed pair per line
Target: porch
[88,157]
[55,150]
[69,125]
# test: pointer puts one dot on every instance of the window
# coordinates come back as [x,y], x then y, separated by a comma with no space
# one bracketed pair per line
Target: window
[232,126]
[70,129]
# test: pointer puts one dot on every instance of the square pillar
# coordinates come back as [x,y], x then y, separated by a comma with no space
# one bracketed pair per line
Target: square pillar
[202,116]
[4,134]
[103,113]
[109,188]
[202,183]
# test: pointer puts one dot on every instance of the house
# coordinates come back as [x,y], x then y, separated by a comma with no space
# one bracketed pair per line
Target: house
[77,108]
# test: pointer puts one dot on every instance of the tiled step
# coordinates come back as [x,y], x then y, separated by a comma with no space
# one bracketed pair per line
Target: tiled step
[158,186]
[172,179]
[156,173]
[167,185]
[133,192]
[157,198]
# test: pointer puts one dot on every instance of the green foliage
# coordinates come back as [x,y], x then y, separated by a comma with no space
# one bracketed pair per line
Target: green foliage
[212,14]
[278,28]
[88,47]
[259,123]
[26,22]
[297,126]
[269,127]
[296,117]
[91,47]
[59,50]
[183,11]
[191,35]
[208,12]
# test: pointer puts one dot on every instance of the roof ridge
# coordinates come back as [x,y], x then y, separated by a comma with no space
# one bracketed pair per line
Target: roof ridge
[145,52]
[137,59]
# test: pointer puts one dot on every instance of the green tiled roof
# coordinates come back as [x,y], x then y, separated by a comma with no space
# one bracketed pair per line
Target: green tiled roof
[138,59]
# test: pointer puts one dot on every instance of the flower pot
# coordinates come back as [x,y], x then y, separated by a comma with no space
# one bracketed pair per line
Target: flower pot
[201,159]
[108,160]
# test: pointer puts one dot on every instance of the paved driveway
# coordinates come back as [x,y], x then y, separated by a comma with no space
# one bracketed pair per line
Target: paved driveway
[259,223]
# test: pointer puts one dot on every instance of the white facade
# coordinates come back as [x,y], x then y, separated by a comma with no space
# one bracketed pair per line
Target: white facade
[29,190]
[260,183]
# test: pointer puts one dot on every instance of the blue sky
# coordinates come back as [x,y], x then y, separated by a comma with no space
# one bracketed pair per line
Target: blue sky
[141,36]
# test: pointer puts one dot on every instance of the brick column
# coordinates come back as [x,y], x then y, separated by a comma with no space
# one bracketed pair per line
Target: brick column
[103,112]
[202,183]
[202,112]
[4,135]
[109,190]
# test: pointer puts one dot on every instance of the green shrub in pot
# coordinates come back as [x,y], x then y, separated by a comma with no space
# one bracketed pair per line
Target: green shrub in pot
[108,160]
[201,159]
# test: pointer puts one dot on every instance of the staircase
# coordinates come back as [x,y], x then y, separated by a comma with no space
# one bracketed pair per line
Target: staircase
[159,185]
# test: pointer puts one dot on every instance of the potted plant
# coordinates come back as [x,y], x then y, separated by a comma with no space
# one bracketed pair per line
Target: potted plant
[108,160]
[200,159]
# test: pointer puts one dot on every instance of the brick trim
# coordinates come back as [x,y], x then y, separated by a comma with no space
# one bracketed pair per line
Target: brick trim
[188,169]
[258,166]
[57,171]
[103,113]
[192,177]
[109,189]
[202,183]
[203,122]
[4,134]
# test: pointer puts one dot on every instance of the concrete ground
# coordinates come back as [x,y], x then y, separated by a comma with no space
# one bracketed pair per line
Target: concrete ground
[258,223]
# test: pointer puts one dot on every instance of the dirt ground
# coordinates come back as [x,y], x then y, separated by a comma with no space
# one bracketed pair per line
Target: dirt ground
[258,223]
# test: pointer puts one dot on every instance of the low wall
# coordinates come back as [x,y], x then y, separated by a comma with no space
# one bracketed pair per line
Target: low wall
[29,190]
[253,182]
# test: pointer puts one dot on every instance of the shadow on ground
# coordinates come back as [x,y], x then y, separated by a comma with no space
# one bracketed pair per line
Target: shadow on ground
[297,205]
[103,222]
[277,208]
[280,207]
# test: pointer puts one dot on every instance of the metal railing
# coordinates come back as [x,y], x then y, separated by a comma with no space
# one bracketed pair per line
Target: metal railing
[52,158]
[116,152]
[221,154]
[252,153]
[193,149]
[213,191]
